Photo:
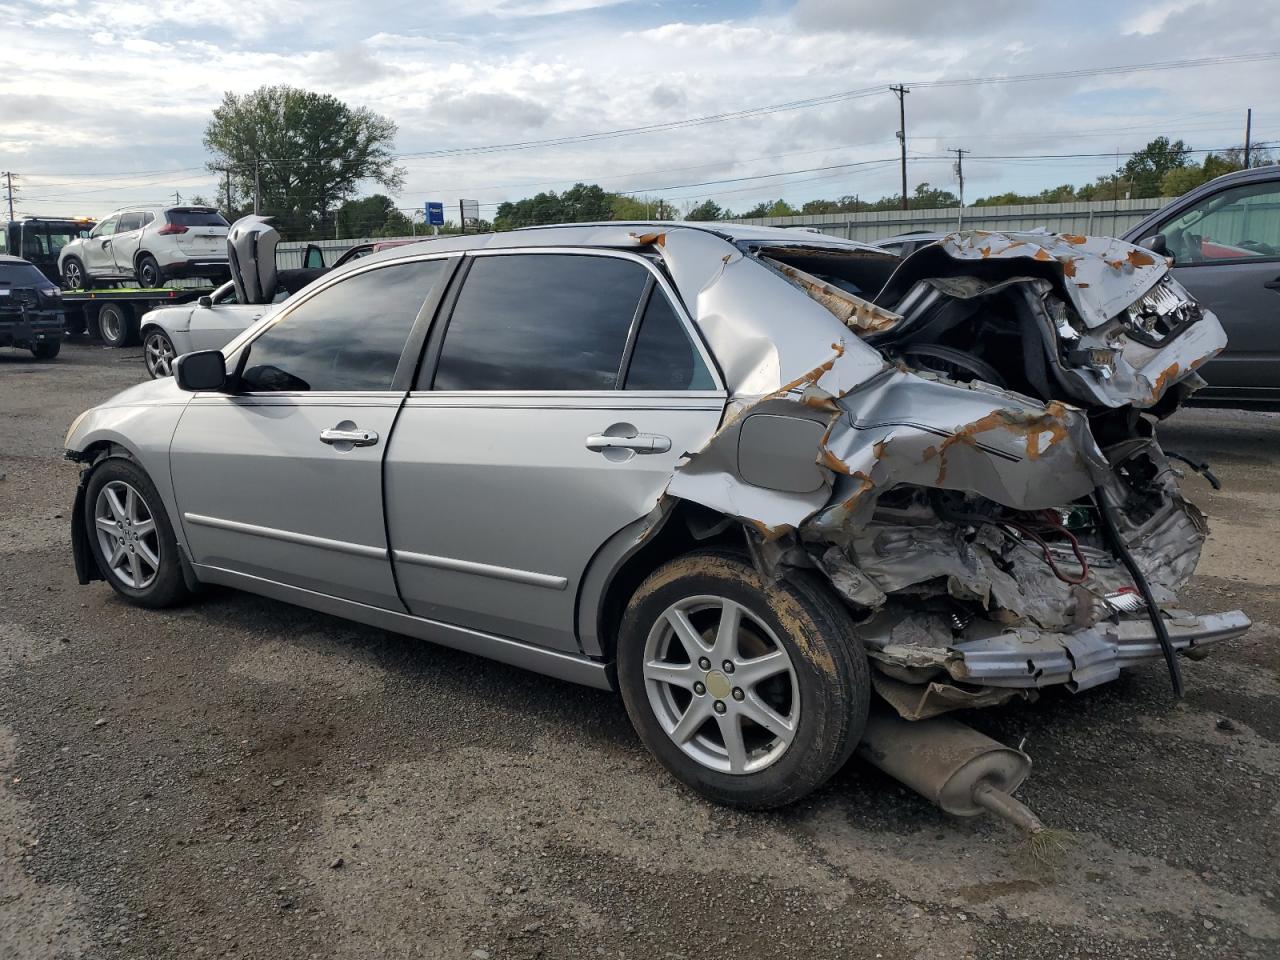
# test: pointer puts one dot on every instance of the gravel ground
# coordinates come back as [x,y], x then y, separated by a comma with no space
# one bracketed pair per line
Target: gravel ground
[240,778]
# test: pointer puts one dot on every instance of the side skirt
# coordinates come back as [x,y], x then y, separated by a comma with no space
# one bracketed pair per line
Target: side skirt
[562,666]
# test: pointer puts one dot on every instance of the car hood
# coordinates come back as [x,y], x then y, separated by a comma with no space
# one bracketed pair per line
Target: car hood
[149,393]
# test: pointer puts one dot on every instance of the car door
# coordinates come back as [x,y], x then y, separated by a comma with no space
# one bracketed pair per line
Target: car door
[98,256]
[281,480]
[1226,250]
[520,451]
[124,245]
[214,326]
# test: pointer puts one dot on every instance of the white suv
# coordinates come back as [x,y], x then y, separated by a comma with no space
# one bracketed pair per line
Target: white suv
[149,245]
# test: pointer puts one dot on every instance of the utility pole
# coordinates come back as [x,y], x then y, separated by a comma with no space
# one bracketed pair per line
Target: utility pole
[257,186]
[177,197]
[1248,135]
[8,180]
[230,208]
[901,92]
[960,152]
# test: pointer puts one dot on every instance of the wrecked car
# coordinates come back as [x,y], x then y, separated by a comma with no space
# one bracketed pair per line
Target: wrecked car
[751,478]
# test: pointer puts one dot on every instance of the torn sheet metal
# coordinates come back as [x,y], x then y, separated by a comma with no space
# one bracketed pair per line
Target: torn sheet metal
[991,656]
[920,702]
[251,253]
[1101,275]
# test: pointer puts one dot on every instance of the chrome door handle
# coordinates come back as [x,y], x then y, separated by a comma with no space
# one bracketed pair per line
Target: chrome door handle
[640,443]
[357,438]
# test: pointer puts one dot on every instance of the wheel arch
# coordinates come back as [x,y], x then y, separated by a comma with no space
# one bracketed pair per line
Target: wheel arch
[675,527]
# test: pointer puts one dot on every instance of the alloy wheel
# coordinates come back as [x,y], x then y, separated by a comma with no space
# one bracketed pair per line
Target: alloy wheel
[159,354]
[721,685]
[127,534]
[75,280]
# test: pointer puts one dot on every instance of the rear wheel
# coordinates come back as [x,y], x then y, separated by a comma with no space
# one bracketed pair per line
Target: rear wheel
[752,692]
[149,272]
[74,275]
[131,537]
[158,352]
[46,349]
[115,325]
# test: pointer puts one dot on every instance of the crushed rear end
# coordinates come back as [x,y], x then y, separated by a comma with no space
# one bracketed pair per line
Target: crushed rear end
[974,466]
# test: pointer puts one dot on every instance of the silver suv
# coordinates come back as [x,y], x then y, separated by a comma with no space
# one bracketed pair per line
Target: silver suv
[149,245]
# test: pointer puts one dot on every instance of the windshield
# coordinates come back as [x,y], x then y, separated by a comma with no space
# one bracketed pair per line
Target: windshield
[195,218]
[21,274]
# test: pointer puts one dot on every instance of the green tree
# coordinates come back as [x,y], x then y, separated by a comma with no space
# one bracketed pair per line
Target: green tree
[708,210]
[625,207]
[308,151]
[771,208]
[1146,169]
[368,217]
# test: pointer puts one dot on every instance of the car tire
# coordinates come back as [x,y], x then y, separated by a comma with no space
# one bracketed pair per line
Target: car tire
[46,349]
[130,536]
[75,276]
[785,713]
[115,325]
[148,272]
[158,353]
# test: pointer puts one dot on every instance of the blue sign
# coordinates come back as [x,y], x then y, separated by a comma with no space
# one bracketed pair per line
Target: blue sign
[435,213]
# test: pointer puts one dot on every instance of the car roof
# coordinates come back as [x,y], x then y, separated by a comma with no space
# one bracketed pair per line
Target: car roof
[7,258]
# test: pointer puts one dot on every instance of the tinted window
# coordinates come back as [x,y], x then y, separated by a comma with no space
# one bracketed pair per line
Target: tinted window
[1240,223]
[346,337]
[129,221]
[195,218]
[21,274]
[664,357]
[147,218]
[541,322]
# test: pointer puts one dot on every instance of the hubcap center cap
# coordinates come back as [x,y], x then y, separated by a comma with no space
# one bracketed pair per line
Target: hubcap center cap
[718,685]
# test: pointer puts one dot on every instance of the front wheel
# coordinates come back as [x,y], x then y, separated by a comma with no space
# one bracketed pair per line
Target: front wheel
[74,275]
[158,352]
[752,692]
[131,537]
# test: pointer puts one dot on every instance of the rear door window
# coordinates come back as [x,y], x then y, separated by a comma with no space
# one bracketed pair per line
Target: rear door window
[664,358]
[347,337]
[541,322]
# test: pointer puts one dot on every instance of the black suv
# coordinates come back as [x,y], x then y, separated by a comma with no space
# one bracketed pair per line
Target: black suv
[31,315]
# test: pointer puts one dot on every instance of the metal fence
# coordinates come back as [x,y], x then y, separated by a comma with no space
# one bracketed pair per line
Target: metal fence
[1092,218]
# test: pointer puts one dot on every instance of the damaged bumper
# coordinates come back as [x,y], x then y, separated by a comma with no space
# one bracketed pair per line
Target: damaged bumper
[1029,658]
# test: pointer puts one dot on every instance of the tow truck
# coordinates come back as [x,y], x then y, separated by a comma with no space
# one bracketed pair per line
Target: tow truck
[110,313]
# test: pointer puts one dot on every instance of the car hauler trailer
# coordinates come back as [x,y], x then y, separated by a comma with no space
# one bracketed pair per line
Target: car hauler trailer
[114,314]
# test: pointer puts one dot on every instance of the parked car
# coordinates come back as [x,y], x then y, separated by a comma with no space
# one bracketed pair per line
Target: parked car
[148,245]
[214,320]
[745,475]
[30,309]
[1224,238]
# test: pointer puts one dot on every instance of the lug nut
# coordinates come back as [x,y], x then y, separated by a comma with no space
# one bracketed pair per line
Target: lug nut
[738,694]
[719,706]
[728,666]
[704,663]
[699,688]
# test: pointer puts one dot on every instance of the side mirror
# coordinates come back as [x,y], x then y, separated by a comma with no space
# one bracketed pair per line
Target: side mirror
[205,301]
[1156,243]
[202,370]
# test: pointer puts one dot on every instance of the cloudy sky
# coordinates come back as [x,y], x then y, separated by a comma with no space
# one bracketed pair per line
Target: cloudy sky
[103,102]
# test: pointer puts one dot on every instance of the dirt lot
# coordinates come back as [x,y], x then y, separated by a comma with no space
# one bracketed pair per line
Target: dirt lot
[240,778]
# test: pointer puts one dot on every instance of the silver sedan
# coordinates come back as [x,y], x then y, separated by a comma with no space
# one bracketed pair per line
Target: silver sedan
[748,477]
